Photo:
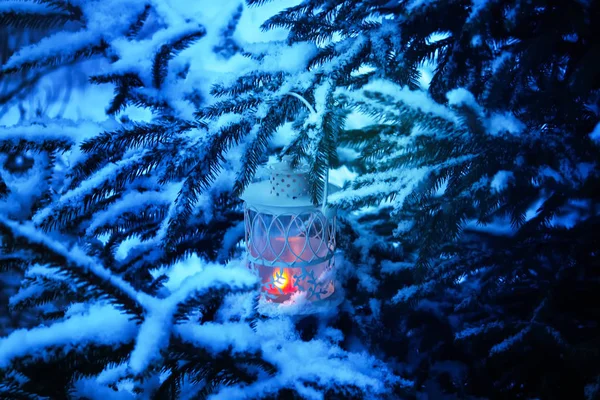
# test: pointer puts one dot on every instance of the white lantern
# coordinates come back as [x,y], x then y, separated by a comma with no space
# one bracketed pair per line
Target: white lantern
[290,242]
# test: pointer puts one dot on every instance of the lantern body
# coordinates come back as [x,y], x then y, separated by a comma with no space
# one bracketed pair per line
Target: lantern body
[290,243]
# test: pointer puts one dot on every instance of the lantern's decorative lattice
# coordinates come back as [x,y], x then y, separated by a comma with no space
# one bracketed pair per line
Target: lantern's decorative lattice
[290,242]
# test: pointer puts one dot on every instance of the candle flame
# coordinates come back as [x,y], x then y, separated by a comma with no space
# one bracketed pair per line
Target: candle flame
[282,282]
[280,279]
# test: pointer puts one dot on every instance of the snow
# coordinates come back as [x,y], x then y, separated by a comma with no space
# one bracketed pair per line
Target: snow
[155,331]
[152,338]
[504,57]
[339,176]
[61,44]
[318,360]
[509,342]
[390,267]
[416,4]
[249,29]
[477,6]
[90,388]
[54,129]
[290,59]
[365,281]
[415,98]
[405,293]
[462,97]
[375,305]
[129,202]
[218,337]
[231,238]
[75,256]
[15,6]
[96,326]
[499,226]
[478,330]
[505,122]
[400,182]
[496,123]
[501,180]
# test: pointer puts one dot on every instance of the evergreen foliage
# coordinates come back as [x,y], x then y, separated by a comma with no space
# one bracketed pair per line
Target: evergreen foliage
[469,260]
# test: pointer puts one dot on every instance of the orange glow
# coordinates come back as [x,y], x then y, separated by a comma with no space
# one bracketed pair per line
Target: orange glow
[282,282]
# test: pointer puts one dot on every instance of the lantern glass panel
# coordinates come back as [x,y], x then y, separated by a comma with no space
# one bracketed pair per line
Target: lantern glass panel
[292,252]
[289,238]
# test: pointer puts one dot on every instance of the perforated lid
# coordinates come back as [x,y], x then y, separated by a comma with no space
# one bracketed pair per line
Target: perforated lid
[286,188]
[287,182]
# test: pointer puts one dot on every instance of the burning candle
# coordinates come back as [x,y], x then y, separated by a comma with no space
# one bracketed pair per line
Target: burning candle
[282,282]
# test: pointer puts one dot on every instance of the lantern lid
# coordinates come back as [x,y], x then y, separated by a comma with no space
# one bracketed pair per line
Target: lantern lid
[286,187]
[261,193]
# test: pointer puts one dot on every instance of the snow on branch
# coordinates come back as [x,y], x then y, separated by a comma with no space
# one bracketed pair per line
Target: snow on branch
[59,48]
[56,130]
[316,361]
[510,341]
[156,329]
[78,264]
[97,325]
[23,7]
[396,184]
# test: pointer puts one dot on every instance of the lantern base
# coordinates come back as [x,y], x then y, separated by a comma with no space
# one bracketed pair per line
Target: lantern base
[298,304]
[273,296]
[282,284]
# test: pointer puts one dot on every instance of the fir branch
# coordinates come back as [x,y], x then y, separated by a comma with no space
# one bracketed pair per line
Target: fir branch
[230,106]
[136,27]
[205,171]
[81,269]
[326,154]
[138,135]
[257,3]
[168,51]
[123,85]
[210,369]
[275,116]
[60,13]
[21,20]
[20,145]
[54,61]
[207,304]
[253,83]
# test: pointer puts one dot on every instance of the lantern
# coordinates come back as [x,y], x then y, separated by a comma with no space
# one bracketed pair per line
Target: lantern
[290,242]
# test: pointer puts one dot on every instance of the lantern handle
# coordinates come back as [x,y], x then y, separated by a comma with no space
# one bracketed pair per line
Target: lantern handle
[303,100]
[314,113]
